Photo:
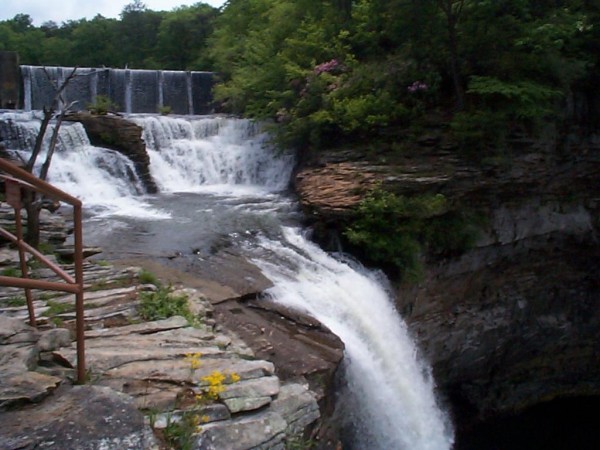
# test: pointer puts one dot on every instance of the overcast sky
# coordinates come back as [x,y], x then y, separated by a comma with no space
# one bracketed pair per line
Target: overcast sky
[62,10]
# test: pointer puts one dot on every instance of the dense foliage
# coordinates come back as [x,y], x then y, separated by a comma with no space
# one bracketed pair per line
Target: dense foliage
[140,39]
[337,71]
[397,231]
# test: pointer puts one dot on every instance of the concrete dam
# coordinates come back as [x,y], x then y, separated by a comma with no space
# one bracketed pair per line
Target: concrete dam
[129,90]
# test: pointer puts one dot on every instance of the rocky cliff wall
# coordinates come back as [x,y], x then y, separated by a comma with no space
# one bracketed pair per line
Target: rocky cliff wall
[513,321]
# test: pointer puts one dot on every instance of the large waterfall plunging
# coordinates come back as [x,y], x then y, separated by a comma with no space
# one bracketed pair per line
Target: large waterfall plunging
[219,177]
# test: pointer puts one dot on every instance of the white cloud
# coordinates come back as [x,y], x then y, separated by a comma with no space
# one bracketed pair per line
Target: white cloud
[60,11]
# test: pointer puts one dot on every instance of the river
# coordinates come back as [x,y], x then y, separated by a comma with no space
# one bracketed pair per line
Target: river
[221,183]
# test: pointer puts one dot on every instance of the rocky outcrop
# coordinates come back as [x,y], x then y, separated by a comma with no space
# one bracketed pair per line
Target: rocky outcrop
[162,368]
[124,136]
[514,321]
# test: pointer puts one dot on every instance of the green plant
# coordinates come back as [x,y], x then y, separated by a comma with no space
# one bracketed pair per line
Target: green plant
[15,301]
[11,272]
[48,295]
[147,277]
[165,110]
[162,304]
[35,264]
[299,443]
[179,434]
[56,308]
[400,231]
[101,106]
[46,248]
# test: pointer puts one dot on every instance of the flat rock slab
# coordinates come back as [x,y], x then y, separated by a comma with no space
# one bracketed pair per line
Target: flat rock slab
[25,387]
[261,430]
[80,418]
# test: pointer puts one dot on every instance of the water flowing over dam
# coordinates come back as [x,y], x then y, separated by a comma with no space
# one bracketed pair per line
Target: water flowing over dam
[129,90]
[218,177]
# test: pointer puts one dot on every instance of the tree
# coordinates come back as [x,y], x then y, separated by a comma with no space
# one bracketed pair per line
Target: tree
[453,10]
[182,38]
[137,34]
[34,203]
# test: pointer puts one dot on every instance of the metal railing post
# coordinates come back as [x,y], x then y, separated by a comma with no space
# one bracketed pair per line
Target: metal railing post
[16,180]
[79,321]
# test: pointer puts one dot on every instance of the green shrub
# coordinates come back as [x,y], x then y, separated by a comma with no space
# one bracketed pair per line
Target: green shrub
[11,272]
[102,105]
[162,304]
[479,132]
[57,308]
[165,110]
[399,231]
[15,301]
[147,277]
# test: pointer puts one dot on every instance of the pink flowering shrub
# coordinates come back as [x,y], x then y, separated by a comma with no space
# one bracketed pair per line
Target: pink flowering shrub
[327,67]
[417,86]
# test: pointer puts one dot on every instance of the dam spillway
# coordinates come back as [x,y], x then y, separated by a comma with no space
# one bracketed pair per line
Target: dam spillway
[129,90]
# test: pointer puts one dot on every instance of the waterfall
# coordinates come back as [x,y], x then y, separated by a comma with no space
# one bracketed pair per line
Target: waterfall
[213,153]
[222,173]
[390,391]
[389,395]
[104,179]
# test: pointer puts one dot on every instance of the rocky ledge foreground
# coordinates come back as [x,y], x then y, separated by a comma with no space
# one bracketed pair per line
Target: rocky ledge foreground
[161,383]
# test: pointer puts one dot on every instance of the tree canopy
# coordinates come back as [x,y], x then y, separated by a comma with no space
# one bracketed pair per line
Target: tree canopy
[337,71]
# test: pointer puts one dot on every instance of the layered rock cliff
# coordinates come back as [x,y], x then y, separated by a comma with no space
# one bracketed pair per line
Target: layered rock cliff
[513,321]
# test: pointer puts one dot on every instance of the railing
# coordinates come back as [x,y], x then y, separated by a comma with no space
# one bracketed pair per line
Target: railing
[15,180]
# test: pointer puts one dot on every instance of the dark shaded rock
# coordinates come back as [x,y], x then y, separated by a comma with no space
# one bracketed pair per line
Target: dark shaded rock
[83,417]
[119,134]
[514,331]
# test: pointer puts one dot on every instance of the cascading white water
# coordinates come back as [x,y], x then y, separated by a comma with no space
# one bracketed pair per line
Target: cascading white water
[104,179]
[391,387]
[395,391]
[216,154]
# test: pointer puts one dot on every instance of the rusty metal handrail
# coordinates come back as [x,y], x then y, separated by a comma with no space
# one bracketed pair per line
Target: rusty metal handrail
[16,180]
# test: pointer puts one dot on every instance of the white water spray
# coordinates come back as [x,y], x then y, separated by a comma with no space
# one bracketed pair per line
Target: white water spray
[103,179]
[212,154]
[397,408]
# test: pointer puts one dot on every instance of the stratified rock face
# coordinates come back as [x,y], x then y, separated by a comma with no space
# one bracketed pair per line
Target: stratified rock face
[514,321]
[510,325]
[83,417]
[121,135]
[335,187]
